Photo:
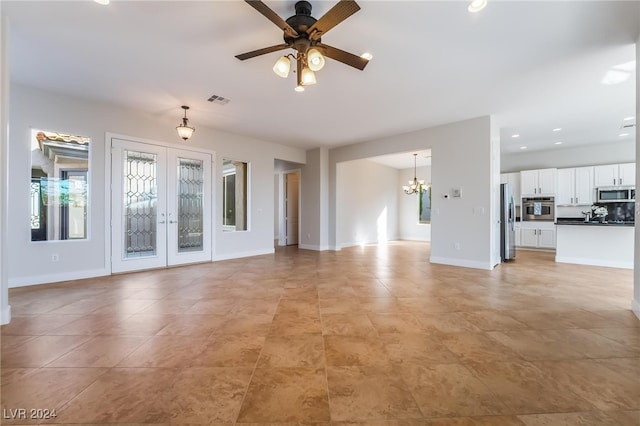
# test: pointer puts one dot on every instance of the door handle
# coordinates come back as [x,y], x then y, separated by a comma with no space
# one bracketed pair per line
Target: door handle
[162,222]
[172,221]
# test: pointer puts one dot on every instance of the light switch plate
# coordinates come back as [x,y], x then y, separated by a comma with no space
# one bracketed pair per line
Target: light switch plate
[455,193]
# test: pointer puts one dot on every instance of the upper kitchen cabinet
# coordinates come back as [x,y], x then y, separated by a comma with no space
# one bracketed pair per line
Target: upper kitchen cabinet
[615,174]
[513,179]
[538,182]
[575,186]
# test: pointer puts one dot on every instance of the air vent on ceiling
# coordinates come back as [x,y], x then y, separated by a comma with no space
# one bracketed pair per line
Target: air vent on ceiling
[218,100]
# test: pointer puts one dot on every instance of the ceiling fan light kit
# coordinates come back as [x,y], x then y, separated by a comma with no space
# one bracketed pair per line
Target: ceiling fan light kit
[302,32]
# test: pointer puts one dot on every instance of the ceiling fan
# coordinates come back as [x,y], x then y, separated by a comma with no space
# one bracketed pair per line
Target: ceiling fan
[303,33]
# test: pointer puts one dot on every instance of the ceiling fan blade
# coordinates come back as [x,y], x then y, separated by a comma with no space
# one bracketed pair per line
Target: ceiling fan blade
[338,13]
[272,16]
[263,51]
[342,56]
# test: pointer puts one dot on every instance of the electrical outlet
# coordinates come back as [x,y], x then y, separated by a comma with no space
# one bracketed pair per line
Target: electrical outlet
[456,246]
[55,257]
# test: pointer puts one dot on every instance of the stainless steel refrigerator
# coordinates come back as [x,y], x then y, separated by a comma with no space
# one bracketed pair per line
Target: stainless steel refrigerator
[507,223]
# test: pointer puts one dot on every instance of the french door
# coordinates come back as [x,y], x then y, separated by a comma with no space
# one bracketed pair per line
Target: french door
[161,206]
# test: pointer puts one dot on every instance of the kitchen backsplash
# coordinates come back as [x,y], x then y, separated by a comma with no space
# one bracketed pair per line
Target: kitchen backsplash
[619,211]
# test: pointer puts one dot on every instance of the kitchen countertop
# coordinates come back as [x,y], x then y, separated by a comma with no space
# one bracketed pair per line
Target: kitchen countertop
[581,222]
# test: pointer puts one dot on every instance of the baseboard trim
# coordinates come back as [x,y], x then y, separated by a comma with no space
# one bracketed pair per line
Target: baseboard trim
[5,315]
[635,307]
[461,262]
[313,247]
[56,278]
[595,262]
[243,254]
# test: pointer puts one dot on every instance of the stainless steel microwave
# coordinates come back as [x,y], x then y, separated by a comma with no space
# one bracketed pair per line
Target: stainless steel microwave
[616,194]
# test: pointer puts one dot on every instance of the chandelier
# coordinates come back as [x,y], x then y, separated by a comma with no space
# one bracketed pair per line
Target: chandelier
[415,185]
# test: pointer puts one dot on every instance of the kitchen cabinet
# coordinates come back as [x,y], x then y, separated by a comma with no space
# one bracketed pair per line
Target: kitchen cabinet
[538,182]
[575,186]
[615,174]
[541,235]
[513,179]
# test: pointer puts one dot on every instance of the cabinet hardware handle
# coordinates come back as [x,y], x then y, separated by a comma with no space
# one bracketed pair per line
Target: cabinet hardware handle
[614,181]
[576,200]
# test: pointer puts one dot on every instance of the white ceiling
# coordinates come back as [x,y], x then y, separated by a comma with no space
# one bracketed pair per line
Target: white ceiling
[534,65]
[404,160]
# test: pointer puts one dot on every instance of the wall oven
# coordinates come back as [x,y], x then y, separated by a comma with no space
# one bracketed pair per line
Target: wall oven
[615,194]
[538,209]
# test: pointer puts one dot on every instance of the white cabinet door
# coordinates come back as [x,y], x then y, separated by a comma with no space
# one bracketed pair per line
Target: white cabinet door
[547,181]
[547,238]
[585,189]
[529,182]
[566,185]
[518,239]
[514,180]
[605,175]
[627,174]
[529,237]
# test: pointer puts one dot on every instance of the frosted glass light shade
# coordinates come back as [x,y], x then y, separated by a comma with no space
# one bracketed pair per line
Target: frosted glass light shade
[282,67]
[315,60]
[308,77]
[185,131]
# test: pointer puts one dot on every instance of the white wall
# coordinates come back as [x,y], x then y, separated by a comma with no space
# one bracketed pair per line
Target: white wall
[461,158]
[30,262]
[313,201]
[622,152]
[409,226]
[276,205]
[367,203]
[5,308]
[635,304]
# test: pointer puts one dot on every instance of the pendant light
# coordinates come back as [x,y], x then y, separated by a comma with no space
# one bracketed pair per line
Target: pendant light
[415,185]
[184,130]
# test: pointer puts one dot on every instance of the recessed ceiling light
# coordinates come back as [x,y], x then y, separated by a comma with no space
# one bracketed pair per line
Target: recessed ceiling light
[515,136]
[624,134]
[523,147]
[102,2]
[477,5]
[557,129]
[559,143]
[628,118]
[366,55]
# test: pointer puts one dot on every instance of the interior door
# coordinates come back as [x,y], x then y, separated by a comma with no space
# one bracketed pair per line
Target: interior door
[292,182]
[161,206]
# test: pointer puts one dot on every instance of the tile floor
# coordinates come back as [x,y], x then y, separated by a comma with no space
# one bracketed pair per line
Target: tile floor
[366,336]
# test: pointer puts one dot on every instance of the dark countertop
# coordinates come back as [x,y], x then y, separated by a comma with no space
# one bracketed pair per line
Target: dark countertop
[581,222]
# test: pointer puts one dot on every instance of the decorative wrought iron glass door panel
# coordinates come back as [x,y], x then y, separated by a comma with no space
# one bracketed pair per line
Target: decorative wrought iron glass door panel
[189,211]
[140,203]
[161,206]
[138,206]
